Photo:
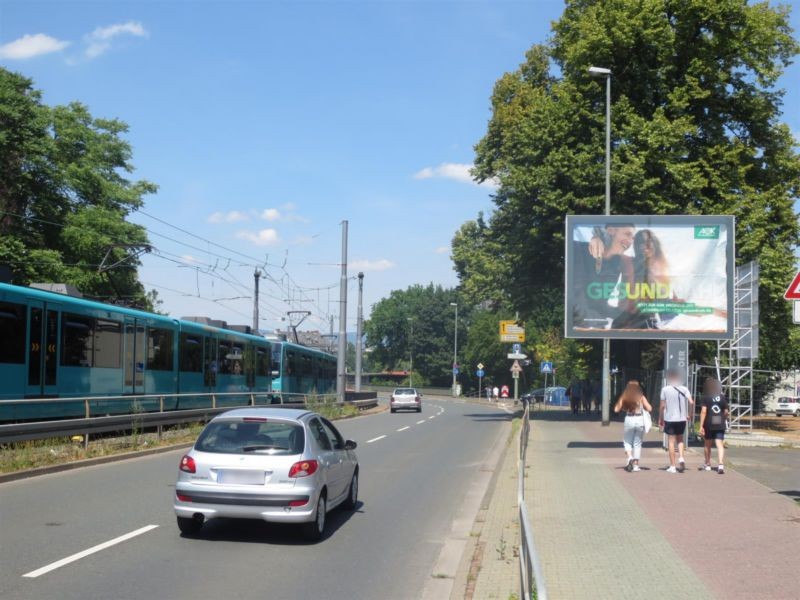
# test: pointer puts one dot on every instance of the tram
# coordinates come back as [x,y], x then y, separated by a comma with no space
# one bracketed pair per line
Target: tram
[302,370]
[59,346]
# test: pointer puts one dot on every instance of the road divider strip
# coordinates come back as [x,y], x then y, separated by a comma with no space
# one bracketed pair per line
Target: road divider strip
[380,437]
[89,551]
[404,428]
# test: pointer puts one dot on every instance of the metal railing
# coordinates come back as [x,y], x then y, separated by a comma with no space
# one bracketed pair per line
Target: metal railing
[531,577]
[153,410]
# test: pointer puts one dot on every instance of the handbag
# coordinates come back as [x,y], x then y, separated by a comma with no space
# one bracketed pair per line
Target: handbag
[648,420]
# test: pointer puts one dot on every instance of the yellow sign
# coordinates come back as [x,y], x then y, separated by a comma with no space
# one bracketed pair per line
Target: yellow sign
[511,331]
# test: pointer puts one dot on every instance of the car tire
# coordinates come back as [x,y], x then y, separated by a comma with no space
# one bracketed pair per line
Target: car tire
[391,410]
[188,525]
[779,416]
[352,496]
[314,530]
[797,413]
[419,409]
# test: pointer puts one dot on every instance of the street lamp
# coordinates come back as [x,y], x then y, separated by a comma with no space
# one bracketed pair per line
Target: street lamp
[411,351]
[603,72]
[455,350]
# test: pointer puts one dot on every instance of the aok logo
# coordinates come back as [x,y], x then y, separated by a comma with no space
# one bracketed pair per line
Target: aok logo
[707,232]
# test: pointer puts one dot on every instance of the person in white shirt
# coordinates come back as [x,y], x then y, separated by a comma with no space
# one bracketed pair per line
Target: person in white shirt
[675,401]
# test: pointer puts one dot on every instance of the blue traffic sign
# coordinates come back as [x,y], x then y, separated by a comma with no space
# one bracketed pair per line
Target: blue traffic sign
[546,366]
[480,372]
[455,371]
[517,348]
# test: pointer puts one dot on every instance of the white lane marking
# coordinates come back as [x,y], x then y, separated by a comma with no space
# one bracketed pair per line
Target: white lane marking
[92,550]
[420,422]
[431,417]
[404,428]
[380,437]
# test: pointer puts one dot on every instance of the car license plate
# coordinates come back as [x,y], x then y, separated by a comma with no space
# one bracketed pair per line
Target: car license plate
[241,476]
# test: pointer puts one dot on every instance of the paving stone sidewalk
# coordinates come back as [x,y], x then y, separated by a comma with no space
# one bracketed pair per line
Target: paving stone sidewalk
[604,533]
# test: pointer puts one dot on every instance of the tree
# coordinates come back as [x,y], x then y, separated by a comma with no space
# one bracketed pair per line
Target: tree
[696,130]
[427,312]
[64,195]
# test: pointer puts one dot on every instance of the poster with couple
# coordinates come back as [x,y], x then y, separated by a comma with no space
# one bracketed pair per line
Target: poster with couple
[649,277]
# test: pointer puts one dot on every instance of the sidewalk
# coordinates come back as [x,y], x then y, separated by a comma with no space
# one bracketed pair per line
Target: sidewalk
[602,532]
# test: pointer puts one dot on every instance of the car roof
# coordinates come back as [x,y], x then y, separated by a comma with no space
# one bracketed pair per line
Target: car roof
[290,414]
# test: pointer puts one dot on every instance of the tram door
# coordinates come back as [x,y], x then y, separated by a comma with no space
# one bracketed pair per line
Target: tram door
[134,357]
[42,349]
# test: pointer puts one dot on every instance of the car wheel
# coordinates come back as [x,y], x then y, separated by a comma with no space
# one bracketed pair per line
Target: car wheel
[352,497]
[188,525]
[778,415]
[391,410]
[313,531]
[419,409]
[797,413]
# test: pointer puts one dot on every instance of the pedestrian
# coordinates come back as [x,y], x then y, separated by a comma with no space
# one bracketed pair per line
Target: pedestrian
[713,417]
[586,396]
[633,403]
[674,413]
[496,393]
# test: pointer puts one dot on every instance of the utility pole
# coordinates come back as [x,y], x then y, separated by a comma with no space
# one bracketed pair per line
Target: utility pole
[256,276]
[359,333]
[341,363]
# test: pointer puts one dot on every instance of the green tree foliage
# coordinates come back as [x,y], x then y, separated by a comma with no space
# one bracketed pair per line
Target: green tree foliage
[64,195]
[425,311]
[695,130]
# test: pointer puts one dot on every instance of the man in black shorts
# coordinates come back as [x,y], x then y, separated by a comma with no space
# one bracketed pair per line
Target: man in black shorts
[675,401]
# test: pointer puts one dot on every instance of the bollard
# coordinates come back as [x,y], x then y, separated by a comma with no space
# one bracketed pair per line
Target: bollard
[161,410]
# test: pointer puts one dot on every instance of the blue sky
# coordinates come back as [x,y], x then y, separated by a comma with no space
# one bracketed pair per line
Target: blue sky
[265,124]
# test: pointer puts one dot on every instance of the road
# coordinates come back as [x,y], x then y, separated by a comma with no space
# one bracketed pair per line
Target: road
[412,483]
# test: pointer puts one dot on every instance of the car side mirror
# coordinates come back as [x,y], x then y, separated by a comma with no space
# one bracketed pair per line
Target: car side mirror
[350,445]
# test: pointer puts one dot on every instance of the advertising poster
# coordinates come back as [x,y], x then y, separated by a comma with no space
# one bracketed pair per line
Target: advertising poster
[649,277]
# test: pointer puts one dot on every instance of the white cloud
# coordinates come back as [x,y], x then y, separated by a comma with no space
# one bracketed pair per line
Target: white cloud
[270,214]
[29,46]
[456,171]
[264,237]
[442,250]
[100,39]
[233,216]
[370,265]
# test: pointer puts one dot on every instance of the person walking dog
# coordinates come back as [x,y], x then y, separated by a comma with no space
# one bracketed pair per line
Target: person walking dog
[634,404]
[713,417]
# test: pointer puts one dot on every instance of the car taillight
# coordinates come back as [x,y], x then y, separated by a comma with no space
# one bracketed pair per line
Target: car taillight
[182,498]
[296,503]
[187,464]
[304,468]
[391,398]
[417,400]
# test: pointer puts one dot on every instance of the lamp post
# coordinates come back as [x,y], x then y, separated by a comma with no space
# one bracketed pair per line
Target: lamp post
[603,72]
[455,351]
[411,351]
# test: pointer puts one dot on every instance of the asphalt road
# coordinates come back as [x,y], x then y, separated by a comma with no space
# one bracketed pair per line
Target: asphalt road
[411,486]
[776,468]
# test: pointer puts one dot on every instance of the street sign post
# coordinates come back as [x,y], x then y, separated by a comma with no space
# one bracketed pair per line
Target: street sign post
[546,366]
[511,331]
[516,369]
[480,373]
[793,291]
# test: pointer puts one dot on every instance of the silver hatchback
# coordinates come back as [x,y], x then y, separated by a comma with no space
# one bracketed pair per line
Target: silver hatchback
[274,464]
[405,398]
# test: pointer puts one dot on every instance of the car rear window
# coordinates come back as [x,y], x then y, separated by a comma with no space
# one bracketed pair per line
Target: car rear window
[274,437]
[404,392]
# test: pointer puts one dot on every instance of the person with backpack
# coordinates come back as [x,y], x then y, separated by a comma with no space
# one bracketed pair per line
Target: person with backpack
[675,401]
[633,403]
[713,417]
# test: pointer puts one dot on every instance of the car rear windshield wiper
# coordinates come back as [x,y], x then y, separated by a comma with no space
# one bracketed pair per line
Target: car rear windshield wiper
[263,447]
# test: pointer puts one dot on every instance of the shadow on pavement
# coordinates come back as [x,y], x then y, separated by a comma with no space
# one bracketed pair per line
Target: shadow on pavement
[648,444]
[565,416]
[498,416]
[254,531]
[795,494]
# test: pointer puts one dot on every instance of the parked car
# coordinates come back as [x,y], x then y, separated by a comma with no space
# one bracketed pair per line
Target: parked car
[274,464]
[788,406]
[556,396]
[406,399]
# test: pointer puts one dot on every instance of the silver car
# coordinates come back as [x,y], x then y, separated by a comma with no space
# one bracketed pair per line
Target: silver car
[275,464]
[405,398]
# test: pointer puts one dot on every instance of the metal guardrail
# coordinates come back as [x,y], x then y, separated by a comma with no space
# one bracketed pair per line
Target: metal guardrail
[532,583]
[94,424]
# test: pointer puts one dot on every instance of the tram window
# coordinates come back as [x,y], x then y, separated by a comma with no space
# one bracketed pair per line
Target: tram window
[108,344]
[277,350]
[306,366]
[262,362]
[12,332]
[236,359]
[191,353]
[291,366]
[159,349]
[77,340]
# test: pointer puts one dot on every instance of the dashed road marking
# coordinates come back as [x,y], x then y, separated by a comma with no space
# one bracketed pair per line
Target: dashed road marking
[420,422]
[431,417]
[404,428]
[380,437]
[85,553]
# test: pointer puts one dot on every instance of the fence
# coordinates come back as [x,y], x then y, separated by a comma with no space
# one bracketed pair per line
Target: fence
[532,583]
[93,423]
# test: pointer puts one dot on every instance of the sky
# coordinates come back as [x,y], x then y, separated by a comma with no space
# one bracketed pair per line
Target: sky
[267,124]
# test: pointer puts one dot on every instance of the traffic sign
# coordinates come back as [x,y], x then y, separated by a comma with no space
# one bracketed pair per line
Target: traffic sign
[516,348]
[480,366]
[546,366]
[793,291]
[516,368]
[455,370]
[480,372]
[512,356]
[511,331]
[796,312]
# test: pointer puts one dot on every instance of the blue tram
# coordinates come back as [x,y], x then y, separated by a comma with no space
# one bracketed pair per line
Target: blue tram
[302,370]
[58,346]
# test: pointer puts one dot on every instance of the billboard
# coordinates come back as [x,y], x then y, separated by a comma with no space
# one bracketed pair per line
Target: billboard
[649,277]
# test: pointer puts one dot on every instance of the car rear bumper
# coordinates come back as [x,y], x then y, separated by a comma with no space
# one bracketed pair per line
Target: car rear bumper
[272,507]
[785,411]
